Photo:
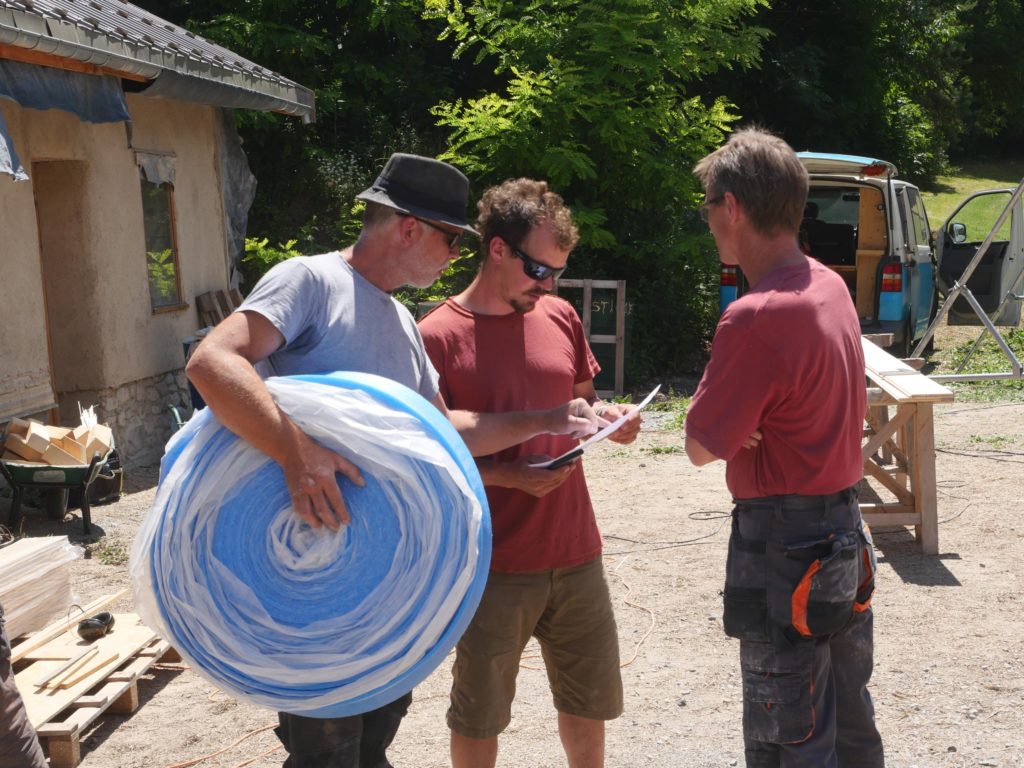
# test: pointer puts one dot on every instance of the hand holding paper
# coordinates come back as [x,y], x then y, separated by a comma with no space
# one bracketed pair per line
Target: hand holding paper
[597,437]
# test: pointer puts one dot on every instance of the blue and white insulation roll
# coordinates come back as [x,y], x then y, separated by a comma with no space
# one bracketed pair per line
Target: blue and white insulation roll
[305,620]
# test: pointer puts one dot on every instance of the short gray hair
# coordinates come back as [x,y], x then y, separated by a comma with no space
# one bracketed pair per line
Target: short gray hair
[764,174]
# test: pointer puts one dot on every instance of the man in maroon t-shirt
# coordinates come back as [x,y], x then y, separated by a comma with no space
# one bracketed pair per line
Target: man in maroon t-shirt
[504,344]
[782,402]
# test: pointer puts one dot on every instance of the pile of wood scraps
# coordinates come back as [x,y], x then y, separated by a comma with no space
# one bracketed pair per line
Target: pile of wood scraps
[30,441]
[35,581]
[67,682]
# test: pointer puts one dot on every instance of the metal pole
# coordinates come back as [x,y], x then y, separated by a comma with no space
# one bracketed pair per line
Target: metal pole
[960,286]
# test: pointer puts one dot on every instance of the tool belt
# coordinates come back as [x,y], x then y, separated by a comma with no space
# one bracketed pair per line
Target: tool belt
[799,567]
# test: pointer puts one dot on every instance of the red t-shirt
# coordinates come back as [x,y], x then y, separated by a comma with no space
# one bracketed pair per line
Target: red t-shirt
[786,360]
[513,362]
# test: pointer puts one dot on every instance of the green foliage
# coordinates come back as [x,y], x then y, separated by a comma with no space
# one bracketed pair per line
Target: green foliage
[595,97]
[883,79]
[260,256]
[915,146]
[612,102]
[994,74]
[163,278]
[988,358]
[110,553]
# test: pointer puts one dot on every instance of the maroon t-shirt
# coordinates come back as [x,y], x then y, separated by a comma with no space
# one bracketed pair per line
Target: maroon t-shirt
[786,360]
[513,362]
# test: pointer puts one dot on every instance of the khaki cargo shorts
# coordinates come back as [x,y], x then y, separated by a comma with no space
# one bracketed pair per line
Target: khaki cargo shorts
[569,611]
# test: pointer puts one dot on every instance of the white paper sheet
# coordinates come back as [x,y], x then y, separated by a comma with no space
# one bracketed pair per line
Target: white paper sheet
[597,436]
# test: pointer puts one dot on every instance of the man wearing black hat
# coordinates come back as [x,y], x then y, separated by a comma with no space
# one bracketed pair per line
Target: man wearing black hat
[335,312]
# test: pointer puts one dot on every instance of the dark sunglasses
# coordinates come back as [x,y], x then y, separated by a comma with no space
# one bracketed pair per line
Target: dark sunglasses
[534,269]
[453,237]
[706,206]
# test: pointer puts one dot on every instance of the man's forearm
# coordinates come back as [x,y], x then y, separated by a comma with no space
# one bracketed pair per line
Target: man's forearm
[697,453]
[241,402]
[487,433]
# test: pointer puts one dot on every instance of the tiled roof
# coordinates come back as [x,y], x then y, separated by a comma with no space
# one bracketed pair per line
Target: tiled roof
[123,37]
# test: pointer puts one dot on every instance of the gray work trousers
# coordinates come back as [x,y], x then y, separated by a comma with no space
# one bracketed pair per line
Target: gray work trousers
[358,741]
[19,747]
[798,583]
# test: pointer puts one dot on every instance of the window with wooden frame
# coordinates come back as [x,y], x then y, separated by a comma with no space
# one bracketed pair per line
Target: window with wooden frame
[161,246]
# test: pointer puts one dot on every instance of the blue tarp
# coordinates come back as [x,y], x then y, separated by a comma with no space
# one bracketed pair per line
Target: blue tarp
[9,161]
[93,98]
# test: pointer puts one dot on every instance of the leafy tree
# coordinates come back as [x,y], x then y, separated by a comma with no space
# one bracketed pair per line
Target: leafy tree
[595,97]
[995,76]
[376,67]
[880,79]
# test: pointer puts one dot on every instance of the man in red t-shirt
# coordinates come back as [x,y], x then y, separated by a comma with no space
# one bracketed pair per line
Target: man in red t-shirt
[782,402]
[504,344]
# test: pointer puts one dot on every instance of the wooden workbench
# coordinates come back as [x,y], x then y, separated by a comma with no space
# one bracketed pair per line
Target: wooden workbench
[899,446]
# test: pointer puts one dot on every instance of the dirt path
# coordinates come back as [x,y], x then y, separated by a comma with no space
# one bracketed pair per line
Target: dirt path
[949,677]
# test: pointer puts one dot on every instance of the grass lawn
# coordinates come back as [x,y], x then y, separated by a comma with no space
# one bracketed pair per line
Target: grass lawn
[941,198]
[953,344]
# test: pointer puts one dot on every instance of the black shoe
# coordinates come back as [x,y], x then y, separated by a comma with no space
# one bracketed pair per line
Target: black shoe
[96,627]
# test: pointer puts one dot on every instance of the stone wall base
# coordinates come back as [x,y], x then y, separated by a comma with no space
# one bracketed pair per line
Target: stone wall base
[139,413]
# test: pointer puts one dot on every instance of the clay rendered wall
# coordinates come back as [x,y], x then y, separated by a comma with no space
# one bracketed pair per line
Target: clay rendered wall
[25,367]
[109,346]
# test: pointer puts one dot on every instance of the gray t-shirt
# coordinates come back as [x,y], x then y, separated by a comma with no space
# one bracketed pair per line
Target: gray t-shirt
[333,319]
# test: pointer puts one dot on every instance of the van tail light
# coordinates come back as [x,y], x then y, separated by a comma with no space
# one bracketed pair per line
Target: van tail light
[728,276]
[892,278]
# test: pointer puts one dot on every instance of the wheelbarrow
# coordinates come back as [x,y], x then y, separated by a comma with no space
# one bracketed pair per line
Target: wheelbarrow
[55,482]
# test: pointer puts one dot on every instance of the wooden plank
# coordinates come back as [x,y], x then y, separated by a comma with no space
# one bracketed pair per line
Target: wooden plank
[17,445]
[37,436]
[62,738]
[74,449]
[925,495]
[905,497]
[880,514]
[73,664]
[881,437]
[58,628]
[38,58]
[16,427]
[620,336]
[899,380]
[57,433]
[127,637]
[224,302]
[57,456]
[880,339]
[209,311]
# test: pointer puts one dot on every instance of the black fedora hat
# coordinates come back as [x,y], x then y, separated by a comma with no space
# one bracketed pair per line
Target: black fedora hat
[423,187]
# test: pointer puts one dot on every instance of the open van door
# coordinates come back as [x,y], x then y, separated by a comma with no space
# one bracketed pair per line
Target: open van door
[996,279]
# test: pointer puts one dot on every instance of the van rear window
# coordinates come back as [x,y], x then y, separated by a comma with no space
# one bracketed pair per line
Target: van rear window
[829,229]
[835,205]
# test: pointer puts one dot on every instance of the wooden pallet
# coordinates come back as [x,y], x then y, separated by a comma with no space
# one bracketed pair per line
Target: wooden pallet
[106,682]
[214,306]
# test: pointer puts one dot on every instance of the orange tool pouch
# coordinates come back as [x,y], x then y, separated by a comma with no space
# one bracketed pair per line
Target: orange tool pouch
[838,582]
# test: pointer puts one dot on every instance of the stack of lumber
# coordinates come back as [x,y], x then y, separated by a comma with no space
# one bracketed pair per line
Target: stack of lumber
[35,581]
[67,682]
[30,441]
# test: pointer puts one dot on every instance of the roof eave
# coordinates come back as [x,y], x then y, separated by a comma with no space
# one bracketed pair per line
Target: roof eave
[67,41]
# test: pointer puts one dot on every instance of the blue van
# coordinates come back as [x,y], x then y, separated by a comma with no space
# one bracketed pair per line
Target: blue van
[872,229]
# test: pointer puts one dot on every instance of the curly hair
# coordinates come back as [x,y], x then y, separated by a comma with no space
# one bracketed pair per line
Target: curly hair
[514,207]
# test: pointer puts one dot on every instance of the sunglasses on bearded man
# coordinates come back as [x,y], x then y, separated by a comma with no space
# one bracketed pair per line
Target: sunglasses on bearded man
[536,270]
